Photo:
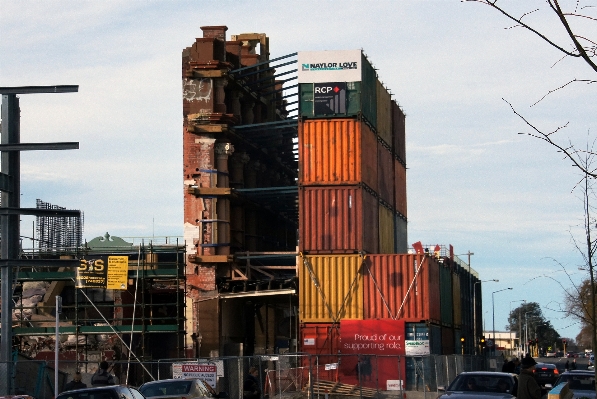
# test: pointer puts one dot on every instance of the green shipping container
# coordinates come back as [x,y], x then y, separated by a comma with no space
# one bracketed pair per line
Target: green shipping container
[360,98]
[445,299]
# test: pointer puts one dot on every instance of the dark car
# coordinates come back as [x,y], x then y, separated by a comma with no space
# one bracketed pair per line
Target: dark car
[546,373]
[580,382]
[482,384]
[105,392]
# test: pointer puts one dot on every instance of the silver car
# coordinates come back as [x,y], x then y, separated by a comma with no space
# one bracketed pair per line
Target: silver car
[179,388]
[580,382]
[482,384]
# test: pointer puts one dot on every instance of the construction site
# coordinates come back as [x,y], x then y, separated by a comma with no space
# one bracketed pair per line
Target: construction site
[294,242]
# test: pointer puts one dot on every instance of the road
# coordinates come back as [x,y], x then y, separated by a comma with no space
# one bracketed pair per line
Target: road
[560,362]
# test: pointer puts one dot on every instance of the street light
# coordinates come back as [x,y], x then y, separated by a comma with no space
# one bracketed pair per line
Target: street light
[537,338]
[493,313]
[475,311]
[511,349]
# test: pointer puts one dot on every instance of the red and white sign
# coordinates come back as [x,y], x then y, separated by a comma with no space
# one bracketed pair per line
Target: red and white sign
[205,372]
[372,337]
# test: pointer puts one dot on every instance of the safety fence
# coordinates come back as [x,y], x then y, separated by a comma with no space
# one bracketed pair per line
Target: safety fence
[288,375]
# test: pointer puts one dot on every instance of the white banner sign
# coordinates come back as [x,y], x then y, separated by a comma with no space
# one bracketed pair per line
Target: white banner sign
[394,385]
[417,348]
[205,372]
[329,66]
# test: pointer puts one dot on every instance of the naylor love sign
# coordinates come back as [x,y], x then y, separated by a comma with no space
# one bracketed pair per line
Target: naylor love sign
[372,337]
[373,352]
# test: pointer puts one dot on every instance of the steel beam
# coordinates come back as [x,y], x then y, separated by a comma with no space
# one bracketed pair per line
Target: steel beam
[39,146]
[39,89]
[40,212]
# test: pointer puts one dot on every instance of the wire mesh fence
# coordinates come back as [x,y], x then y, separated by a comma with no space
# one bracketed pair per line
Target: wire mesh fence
[278,376]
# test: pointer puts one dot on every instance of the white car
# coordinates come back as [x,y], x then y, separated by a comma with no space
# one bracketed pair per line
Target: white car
[550,354]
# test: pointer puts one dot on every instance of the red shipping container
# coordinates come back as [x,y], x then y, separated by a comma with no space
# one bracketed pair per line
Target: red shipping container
[400,188]
[322,340]
[338,220]
[337,151]
[385,174]
[389,282]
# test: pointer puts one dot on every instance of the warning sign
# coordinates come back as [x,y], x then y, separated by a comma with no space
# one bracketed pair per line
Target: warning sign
[205,372]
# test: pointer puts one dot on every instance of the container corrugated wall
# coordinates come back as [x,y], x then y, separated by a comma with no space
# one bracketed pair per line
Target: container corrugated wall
[456,303]
[400,235]
[445,288]
[384,114]
[457,343]
[338,219]
[337,151]
[399,131]
[400,202]
[387,279]
[386,230]
[330,288]
[385,174]
[368,91]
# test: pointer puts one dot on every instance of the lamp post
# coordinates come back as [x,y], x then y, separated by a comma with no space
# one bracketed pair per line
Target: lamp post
[475,311]
[493,313]
[511,343]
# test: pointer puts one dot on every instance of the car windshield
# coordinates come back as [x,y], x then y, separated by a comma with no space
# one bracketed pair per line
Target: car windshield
[481,383]
[169,388]
[578,382]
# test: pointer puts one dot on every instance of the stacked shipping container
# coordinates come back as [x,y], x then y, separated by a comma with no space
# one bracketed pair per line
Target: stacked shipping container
[353,216]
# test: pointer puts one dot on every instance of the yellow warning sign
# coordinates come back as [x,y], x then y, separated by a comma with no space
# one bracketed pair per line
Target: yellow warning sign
[118,267]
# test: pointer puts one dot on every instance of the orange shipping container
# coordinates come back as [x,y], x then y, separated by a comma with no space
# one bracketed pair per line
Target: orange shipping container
[400,188]
[337,151]
[384,114]
[338,219]
[330,288]
[385,170]
[393,291]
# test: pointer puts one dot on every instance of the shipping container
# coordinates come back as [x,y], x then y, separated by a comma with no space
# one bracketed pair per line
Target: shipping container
[337,151]
[330,288]
[466,300]
[399,132]
[417,332]
[456,303]
[445,289]
[425,332]
[386,230]
[400,234]
[385,174]
[435,334]
[394,289]
[448,347]
[338,219]
[321,340]
[400,202]
[337,93]
[384,115]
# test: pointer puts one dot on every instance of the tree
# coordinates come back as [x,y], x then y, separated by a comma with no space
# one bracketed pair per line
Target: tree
[528,322]
[572,41]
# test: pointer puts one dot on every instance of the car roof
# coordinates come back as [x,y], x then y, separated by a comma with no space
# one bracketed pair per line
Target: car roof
[486,373]
[579,372]
[173,379]
[550,365]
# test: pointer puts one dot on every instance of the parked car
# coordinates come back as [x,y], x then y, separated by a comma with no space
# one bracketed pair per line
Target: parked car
[106,392]
[580,382]
[180,388]
[483,384]
[550,354]
[546,373]
[571,354]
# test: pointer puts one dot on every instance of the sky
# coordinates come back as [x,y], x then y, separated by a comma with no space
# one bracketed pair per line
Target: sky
[473,181]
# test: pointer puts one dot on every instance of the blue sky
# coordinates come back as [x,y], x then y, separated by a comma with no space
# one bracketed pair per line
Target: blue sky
[473,181]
